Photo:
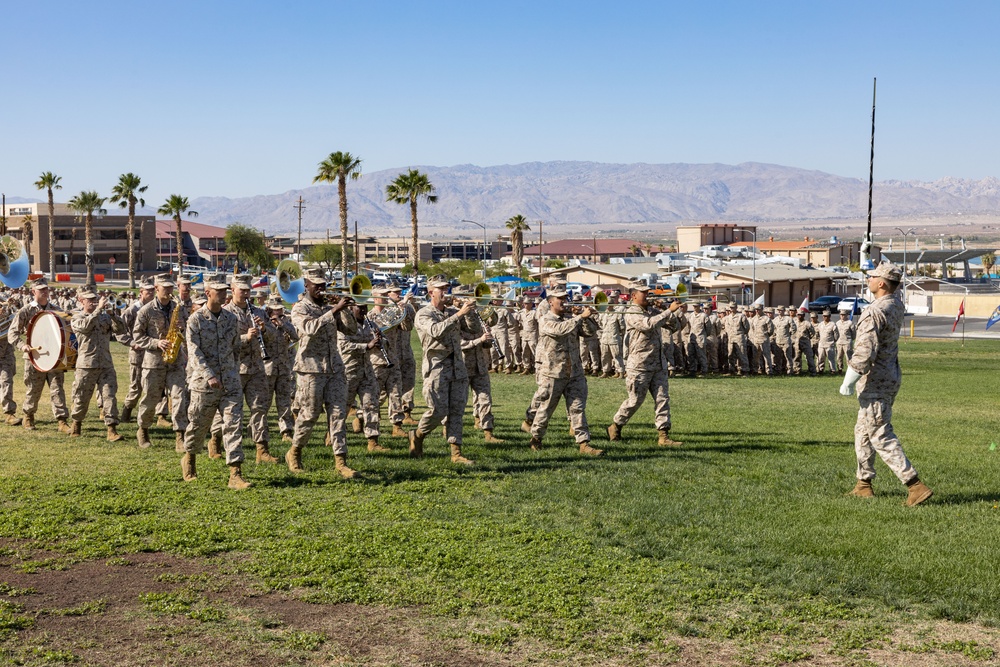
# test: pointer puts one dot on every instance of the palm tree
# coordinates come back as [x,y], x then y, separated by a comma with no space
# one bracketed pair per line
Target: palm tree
[126,194]
[49,181]
[989,261]
[87,203]
[634,249]
[517,226]
[337,167]
[406,189]
[175,207]
[26,226]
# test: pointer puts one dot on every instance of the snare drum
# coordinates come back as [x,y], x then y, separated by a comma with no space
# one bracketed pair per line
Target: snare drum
[53,340]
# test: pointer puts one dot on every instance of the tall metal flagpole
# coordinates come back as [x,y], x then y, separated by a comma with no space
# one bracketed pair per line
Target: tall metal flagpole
[866,243]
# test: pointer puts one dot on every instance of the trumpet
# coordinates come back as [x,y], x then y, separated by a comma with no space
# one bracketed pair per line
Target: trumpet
[599,303]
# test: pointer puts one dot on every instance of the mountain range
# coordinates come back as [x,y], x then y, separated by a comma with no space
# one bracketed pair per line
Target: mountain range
[591,193]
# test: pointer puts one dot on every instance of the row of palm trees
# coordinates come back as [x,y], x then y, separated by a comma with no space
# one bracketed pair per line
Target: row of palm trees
[408,188]
[127,193]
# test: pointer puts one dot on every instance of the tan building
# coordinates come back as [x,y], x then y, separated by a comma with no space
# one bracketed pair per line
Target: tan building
[692,238]
[781,285]
[110,239]
[816,253]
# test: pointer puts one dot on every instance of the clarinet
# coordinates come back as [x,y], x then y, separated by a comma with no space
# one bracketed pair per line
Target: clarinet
[377,335]
[259,323]
[496,345]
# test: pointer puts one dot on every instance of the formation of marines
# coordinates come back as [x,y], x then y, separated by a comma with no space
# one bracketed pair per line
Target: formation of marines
[195,360]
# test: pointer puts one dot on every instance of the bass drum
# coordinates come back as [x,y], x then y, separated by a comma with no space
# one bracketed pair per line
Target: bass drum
[53,342]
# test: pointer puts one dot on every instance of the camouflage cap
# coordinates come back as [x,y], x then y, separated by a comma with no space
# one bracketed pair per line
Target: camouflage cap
[393,288]
[86,293]
[39,283]
[814,316]
[274,302]
[557,293]
[242,281]
[164,280]
[733,306]
[147,283]
[887,270]
[184,280]
[199,299]
[638,286]
[439,281]
[826,312]
[315,276]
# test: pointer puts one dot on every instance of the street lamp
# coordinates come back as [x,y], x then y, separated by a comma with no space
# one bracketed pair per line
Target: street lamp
[479,224]
[905,234]
[753,286]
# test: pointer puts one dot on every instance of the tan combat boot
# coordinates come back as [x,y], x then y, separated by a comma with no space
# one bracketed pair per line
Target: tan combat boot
[342,467]
[397,431]
[408,419]
[293,458]
[526,427]
[536,445]
[114,435]
[489,437]
[863,489]
[919,492]
[163,422]
[179,442]
[572,431]
[586,449]
[236,481]
[215,446]
[456,456]
[188,471]
[356,425]
[29,422]
[263,454]
[416,445]
[286,436]
[100,414]
[77,430]
[64,427]
[142,437]
[13,420]
[476,424]
[614,432]
[373,446]
[328,441]
[665,441]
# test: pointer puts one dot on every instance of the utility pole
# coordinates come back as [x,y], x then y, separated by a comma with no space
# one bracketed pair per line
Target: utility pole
[3,216]
[541,265]
[298,243]
[355,248]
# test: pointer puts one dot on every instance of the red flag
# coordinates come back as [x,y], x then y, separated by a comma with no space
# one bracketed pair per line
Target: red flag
[961,311]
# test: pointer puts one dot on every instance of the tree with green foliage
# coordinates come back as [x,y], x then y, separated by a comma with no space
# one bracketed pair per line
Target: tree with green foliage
[249,246]
[989,261]
[27,226]
[339,167]
[407,189]
[126,194]
[329,255]
[517,225]
[176,206]
[87,203]
[49,181]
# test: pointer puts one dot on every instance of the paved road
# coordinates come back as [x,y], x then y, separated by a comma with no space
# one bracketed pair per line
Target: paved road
[937,326]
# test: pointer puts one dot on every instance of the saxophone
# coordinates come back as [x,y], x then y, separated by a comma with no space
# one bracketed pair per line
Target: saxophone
[174,336]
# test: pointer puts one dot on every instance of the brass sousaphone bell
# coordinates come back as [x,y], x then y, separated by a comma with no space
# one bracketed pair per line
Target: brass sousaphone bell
[14,265]
[290,283]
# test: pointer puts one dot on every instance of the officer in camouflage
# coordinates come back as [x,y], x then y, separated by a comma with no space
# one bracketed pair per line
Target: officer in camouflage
[93,326]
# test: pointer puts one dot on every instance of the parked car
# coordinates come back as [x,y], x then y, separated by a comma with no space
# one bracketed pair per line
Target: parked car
[577,288]
[848,303]
[534,292]
[829,301]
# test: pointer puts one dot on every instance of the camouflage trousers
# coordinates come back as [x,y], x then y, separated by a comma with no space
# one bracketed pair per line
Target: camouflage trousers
[844,354]
[482,400]
[105,380]
[8,369]
[640,383]
[390,382]
[515,350]
[281,387]
[365,387]
[528,353]
[202,410]
[592,347]
[873,434]
[611,358]
[760,361]
[738,356]
[712,353]
[156,381]
[258,398]
[315,394]
[34,382]
[407,377]
[134,386]
[827,359]
[547,396]
[503,344]
[445,397]
[697,356]
[806,349]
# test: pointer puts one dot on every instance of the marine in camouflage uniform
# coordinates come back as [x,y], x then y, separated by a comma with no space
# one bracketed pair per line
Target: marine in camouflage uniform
[713,330]
[280,380]
[804,332]
[874,368]
[446,378]
[783,348]
[8,370]
[477,343]
[135,353]
[407,362]
[846,333]
[697,342]
[213,344]
[94,326]
[35,380]
[612,335]
[152,325]
[560,371]
[646,368]
[828,335]
[737,328]
[359,350]
[529,336]
[387,373]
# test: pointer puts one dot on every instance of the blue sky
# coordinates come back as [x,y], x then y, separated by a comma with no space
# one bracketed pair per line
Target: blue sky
[242,98]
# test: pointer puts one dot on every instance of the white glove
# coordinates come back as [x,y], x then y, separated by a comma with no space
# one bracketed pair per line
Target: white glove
[851,378]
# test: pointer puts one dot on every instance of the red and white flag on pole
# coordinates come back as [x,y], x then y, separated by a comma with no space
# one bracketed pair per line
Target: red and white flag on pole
[805,305]
[961,311]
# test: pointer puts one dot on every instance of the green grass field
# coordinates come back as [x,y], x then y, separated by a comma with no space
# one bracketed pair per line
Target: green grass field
[742,538]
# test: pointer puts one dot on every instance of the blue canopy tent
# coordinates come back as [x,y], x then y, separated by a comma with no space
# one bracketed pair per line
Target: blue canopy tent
[502,279]
[525,284]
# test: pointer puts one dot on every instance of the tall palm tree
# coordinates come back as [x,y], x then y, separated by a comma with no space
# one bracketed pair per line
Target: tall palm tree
[175,207]
[517,226]
[338,167]
[989,261]
[27,224]
[49,181]
[407,189]
[126,194]
[86,203]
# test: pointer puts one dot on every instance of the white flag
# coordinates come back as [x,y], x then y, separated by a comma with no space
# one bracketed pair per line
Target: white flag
[759,301]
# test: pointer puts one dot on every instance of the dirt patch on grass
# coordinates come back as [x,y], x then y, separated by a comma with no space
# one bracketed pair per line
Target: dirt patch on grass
[158,609]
